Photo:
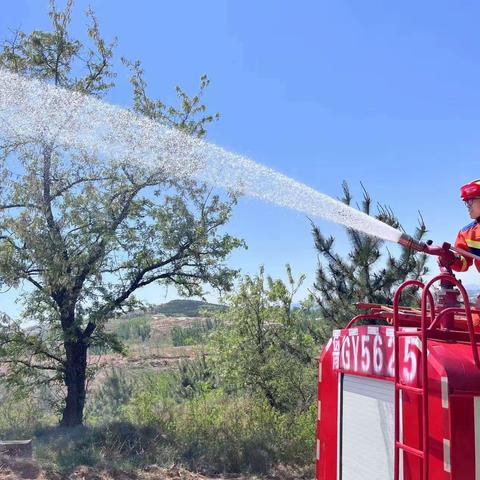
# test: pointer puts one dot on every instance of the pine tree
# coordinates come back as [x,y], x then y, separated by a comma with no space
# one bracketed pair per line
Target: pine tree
[369,273]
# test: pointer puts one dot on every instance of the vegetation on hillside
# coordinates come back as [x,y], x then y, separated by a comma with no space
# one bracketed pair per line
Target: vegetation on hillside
[246,403]
[192,335]
[187,308]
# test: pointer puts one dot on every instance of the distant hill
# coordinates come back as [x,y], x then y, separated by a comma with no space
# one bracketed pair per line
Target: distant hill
[186,308]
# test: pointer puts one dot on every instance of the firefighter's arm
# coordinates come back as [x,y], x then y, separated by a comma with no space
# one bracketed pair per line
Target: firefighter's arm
[461,264]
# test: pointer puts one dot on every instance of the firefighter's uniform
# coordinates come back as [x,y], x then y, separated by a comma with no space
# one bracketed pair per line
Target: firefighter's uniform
[468,239]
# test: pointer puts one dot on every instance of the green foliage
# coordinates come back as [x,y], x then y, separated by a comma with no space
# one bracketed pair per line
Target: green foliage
[265,346]
[193,334]
[215,432]
[233,434]
[227,434]
[189,117]
[106,403]
[195,377]
[299,431]
[117,445]
[370,273]
[84,233]
[22,415]
[55,56]
[246,406]
[134,329]
[153,399]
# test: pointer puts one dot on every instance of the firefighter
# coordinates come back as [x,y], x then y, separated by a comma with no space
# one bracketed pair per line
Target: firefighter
[468,237]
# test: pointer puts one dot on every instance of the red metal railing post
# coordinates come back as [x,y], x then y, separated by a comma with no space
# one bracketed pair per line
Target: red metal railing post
[396,302]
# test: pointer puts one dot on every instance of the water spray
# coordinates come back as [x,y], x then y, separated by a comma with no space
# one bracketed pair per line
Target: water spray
[35,112]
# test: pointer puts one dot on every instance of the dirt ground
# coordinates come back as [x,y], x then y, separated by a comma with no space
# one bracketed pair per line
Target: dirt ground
[153,354]
[17,469]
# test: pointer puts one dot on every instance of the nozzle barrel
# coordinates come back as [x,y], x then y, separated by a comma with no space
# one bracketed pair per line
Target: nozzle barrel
[410,242]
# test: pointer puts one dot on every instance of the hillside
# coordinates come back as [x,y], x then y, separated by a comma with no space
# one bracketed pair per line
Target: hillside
[186,308]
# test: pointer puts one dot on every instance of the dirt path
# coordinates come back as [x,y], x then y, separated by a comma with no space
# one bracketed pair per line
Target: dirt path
[11,469]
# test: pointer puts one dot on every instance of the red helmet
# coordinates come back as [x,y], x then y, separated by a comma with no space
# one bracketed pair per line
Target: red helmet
[470,190]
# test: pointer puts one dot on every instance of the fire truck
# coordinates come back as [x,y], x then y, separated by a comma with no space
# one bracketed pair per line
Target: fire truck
[399,388]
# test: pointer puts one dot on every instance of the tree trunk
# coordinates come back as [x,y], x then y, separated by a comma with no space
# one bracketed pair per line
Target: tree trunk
[75,381]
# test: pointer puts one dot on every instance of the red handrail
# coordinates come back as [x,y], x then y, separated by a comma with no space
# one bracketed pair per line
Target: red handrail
[396,301]
[449,310]
[426,300]
[363,316]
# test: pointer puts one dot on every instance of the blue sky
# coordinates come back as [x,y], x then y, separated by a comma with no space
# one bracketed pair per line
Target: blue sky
[384,93]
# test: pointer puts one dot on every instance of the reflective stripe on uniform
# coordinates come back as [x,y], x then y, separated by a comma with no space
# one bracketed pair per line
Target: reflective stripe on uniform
[472,243]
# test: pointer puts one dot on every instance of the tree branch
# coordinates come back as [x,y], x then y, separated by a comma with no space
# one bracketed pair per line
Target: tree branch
[31,365]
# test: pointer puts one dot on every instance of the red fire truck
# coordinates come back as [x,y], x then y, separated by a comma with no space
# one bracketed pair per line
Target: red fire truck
[399,391]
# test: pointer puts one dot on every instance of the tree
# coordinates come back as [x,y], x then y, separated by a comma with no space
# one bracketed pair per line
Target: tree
[369,274]
[85,234]
[265,346]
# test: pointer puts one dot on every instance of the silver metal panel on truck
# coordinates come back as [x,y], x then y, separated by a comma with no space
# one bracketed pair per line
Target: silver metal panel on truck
[367,429]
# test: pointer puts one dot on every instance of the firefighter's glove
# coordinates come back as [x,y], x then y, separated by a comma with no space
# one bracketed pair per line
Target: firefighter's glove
[447,259]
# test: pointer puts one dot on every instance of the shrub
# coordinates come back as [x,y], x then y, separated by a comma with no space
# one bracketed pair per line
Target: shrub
[113,445]
[153,399]
[194,377]
[266,347]
[298,445]
[219,433]
[192,335]
[216,432]
[20,415]
[211,432]
[223,434]
[106,403]
[134,329]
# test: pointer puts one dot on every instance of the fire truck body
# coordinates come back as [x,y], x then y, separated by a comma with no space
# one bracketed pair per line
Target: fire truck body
[382,400]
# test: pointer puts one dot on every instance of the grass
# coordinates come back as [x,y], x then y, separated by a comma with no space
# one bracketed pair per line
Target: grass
[113,445]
